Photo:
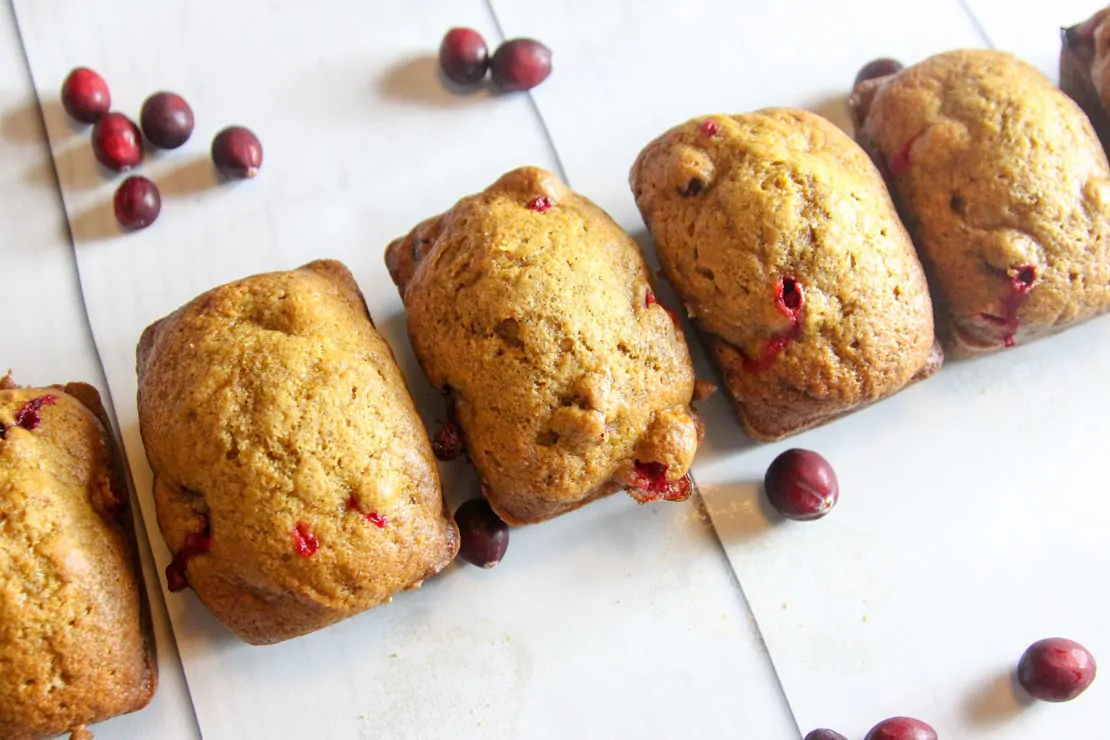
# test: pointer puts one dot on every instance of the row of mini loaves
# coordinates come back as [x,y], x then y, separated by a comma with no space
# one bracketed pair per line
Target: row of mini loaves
[296,485]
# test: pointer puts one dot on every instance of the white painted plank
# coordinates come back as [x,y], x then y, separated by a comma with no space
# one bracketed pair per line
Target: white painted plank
[970,522]
[592,620]
[45,337]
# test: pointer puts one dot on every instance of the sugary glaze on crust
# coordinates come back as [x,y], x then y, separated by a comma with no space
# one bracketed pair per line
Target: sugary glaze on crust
[76,645]
[277,422]
[532,310]
[779,234]
[1004,186]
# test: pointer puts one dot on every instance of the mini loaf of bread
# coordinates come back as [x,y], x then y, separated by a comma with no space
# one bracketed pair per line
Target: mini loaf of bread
[532,310]
[1085,69]
[779,235]
[293,479]
[1004,187]
[76,645]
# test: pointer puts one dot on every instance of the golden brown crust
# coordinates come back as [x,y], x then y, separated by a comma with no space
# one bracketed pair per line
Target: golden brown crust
[274,416]
[76,645]
[1005,189]
[781,238]
[538,324]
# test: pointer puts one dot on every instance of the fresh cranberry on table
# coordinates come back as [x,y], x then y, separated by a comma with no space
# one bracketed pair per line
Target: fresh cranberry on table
[237,152]
[448,442]
[901,728]
[1056,669]
[137,203]
[85,95]
[464,56]
[801,485]
[878,68]
[117,142]
[484,536]
[824,734]
[520,64]
[167,120]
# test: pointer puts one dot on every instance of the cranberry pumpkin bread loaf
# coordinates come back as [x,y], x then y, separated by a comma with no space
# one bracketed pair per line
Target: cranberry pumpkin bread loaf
[779,235]
[76,645]
[293,479]
[1085,69]
[533,312]
[1004,187]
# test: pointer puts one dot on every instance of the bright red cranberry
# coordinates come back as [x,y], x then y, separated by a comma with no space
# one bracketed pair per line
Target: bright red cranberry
[709,127]
[167,120]
[801,485]
[649,483]
[137,203]
[1024,279]
[540,204]
[900,162]
[29,415]
[520,64]
[878,68]
[85,95]
[1056,669]
[464,56]
[196,543]
[824,734]
[901,728]
[304,542]
[237,152]
[378,520]
[117,142]
[484,536]
[448,442]
[649,299]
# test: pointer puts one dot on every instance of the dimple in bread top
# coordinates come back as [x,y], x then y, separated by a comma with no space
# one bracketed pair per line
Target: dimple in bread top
[533,311]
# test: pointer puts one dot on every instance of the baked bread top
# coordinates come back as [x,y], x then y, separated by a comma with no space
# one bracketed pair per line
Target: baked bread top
[1004,187]
[780,236]
[75,640]
[294,480]
[533,310]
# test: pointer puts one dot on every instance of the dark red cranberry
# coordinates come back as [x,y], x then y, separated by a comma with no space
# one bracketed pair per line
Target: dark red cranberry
[29,415]
[196,543]
[137,203]
[649,483]
[520,64]
[484,536]
[901,728]
[464,56]
[448,442]
[237,152]
[1024,279]
[709,127]
[824,734]
[878,68]
[801,485]
[1056,669]
[85,95]
[304,542]
[167,120]
[117,142]
[789,296]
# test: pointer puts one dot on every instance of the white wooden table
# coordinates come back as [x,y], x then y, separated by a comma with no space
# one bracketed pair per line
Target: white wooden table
[614,621]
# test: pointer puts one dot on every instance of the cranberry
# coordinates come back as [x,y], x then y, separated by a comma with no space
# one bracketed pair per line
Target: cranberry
[464,56]
[1056,669]
[710,127]
[167,120]
[448,442]
[801,485]
[900,161]
[196,543]
[117,142]
[237,152]
[378,520]
[484,536]
[85,95]
[649,483]
[29,415]
[1024,279]
[137,203]
[520,64]
[878,68]
[901,728]
[824,734]
[304,542]
[789,296]
[540,204]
